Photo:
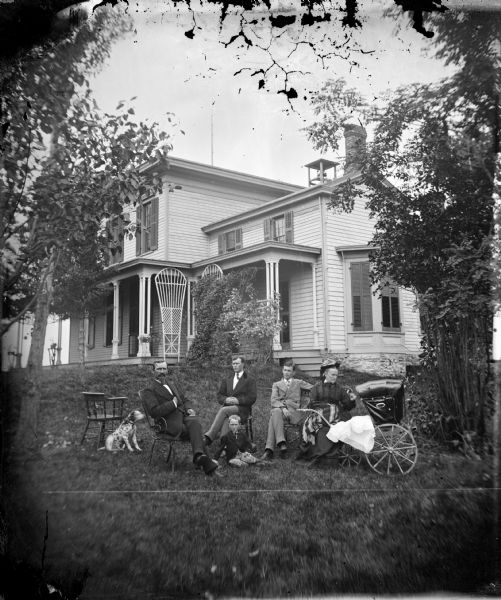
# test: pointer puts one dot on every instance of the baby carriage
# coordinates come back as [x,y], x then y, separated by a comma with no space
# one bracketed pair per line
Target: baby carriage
[394,451]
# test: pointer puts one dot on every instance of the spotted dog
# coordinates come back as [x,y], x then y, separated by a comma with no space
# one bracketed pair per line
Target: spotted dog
[125,433]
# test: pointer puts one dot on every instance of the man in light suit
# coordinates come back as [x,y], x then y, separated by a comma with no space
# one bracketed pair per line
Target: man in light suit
[236,395]
[285,401]
[166,403]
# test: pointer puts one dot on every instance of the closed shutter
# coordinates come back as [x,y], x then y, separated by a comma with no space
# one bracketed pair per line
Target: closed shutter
[267,229]
[120,240]
[220,243]
[154,224]
[289,232]
[238,238]
[361,296]
[138,229]
[366,298]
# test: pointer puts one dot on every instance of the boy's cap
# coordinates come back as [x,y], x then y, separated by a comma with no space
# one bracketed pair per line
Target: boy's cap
[234,419]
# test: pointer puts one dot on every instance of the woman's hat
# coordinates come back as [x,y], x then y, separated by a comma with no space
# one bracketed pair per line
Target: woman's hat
[328,363]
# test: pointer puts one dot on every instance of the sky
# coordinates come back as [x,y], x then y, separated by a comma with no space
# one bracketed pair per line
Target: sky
[254,130]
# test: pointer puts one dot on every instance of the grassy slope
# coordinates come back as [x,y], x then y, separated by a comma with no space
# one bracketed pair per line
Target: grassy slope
[270,531]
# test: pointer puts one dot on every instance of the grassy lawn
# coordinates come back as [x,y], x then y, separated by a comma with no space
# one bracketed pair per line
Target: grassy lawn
[268,531]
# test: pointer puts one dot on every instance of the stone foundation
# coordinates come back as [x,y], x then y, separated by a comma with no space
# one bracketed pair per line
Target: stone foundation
[380,365]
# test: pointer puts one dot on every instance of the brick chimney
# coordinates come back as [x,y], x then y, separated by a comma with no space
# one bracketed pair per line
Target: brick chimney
[355,138]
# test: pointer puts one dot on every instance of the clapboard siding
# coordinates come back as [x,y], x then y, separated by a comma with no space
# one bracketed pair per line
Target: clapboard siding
[188,211]
[301,307]
[306,228]
[307,224]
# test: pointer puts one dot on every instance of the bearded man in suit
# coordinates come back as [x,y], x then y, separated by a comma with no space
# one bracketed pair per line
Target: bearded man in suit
[167,404]
[285,401]
[236,395]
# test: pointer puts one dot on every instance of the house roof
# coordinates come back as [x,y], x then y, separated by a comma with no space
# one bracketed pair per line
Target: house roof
[259,252]
[280,203]
[190,166]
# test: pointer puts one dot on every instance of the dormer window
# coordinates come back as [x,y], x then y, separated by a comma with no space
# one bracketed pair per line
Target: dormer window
[279,228]
[229,241]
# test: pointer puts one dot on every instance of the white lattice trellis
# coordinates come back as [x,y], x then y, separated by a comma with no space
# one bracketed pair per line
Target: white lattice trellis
[213,271]
[171,289]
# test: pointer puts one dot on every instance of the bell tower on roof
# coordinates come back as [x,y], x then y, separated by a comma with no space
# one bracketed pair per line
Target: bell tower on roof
[319,171]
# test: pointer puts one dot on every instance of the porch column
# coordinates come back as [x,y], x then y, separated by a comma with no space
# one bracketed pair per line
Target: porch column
[59,339]
[190,331]
[314,303]
[272,288]
[116,324]
[144,308]
[148,304]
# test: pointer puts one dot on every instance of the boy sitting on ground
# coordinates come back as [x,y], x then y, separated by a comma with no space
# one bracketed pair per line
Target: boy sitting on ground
[236,445]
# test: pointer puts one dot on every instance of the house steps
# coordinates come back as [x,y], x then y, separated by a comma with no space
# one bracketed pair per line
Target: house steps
[306,360]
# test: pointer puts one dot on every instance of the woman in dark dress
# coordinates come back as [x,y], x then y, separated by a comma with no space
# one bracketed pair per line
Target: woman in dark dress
[334,403]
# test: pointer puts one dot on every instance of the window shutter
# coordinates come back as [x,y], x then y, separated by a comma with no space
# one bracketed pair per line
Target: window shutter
[220,243]
[109,241]
[289,231]
[154,224]
[267,229]
[238,238]
[366,298]
[120,240]
[138,229]
[356,299]
[361,296]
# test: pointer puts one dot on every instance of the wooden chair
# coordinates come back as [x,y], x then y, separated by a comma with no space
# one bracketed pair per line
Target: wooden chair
[104,414]
[161,437]
[248,426]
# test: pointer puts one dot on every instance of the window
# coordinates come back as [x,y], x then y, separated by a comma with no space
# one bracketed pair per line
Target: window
[390,307]
[147,227]
[231,240]
[115,233]
[279,228]
[361,297]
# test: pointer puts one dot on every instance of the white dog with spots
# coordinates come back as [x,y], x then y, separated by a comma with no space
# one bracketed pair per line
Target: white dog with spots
[125,434]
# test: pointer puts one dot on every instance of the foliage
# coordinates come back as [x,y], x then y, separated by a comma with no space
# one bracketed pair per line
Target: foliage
[66,167]
[433,227]
[212,342]
[252,323]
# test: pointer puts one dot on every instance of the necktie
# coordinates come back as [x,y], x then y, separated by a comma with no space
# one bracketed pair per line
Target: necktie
[235,381]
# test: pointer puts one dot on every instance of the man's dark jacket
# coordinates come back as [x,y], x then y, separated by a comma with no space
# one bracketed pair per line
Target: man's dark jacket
[244,392]
[159,404]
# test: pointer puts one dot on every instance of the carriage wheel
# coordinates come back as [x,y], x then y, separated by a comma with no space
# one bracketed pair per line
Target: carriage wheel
[348,456]
[395,451]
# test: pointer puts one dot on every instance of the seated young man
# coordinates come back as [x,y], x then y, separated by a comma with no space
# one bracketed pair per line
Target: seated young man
[165,400]
[236,395]
[285,400]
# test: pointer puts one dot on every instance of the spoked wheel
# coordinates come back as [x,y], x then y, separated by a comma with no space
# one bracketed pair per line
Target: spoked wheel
[348,456]
[395,451]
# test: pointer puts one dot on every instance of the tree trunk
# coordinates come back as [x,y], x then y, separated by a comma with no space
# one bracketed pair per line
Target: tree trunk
[26,432]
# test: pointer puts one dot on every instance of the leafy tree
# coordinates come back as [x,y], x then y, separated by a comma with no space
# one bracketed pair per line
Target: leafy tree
[433,229]
[252,323]
[66,167]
